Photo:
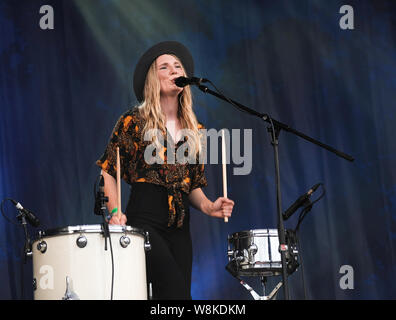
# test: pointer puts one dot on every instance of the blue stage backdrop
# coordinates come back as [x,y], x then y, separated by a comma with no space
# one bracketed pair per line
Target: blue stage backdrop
[63,89]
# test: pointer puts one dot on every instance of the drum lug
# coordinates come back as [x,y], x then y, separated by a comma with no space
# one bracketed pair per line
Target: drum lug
[252,249]
[147,244]
[238,258]
[246,256]
[81,241]
[42,246]
[125,241]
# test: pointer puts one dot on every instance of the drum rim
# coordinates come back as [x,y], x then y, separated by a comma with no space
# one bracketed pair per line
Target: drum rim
[89,228]
[255,232]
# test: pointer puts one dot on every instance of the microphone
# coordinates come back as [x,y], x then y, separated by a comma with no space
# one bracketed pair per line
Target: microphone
[299,202]
[33,220]
[100,198]
[183,81]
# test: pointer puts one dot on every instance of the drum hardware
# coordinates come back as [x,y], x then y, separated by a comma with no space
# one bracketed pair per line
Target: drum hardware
[244,260]
[256,296]
[125,241]
[147,244]
[42,246]
[233,269]
[69,294]
[82,241]
[89,273]
[150,291]
[256,253]
[252,250]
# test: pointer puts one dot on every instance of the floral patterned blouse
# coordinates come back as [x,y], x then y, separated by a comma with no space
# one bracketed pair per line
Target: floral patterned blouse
[175,177]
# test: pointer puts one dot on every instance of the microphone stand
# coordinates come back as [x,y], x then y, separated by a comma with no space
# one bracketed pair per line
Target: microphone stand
[274,130]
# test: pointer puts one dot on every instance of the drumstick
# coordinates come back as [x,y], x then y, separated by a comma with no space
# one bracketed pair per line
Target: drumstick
[224,163]
[118,184]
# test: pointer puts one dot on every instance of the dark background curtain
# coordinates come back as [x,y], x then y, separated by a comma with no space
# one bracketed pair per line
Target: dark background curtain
[62,90]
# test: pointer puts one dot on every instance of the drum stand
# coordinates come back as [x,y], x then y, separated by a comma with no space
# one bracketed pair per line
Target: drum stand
[232,267]
[256,296]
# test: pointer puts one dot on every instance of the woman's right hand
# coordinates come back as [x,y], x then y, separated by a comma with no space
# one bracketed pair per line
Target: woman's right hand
[119,221]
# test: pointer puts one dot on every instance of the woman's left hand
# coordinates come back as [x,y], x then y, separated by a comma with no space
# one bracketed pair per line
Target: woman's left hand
[221,208]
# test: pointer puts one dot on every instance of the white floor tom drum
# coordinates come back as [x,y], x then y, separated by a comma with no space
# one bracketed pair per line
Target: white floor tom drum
[72,263]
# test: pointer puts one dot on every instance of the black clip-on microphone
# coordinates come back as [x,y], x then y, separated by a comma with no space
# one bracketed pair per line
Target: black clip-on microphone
[100,208]
[302,201]
[23,217]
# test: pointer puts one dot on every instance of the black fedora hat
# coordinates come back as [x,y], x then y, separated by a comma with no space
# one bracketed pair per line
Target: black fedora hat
[144,63]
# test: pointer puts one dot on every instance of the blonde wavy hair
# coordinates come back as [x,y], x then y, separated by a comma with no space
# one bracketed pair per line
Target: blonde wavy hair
[150,110]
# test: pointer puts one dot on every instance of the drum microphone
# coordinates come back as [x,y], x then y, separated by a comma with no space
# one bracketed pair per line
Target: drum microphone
[33,220]
[183,81]
[299,202]
[100,198]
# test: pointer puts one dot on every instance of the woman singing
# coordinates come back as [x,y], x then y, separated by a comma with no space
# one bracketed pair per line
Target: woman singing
[161,191]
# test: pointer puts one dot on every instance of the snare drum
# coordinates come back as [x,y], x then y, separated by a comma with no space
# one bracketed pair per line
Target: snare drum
[256,253]
[72,263]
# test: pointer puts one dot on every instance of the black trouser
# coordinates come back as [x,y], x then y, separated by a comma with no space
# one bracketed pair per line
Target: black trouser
[169,262]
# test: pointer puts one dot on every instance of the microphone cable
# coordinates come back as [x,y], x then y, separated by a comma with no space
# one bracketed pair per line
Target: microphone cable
[3,214]
[307,208]
[228,99]
[112,259]
[301,217]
